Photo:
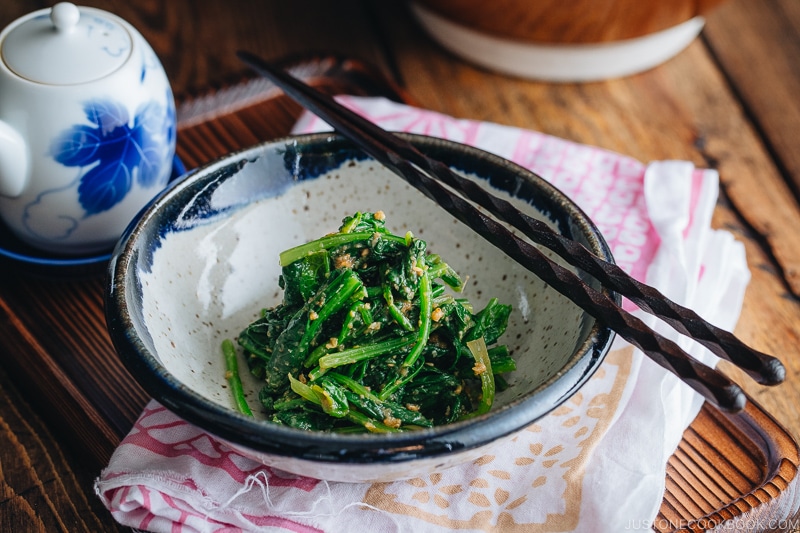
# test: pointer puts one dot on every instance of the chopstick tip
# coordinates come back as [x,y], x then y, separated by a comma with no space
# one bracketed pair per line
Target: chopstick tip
[772,373]
[735,400]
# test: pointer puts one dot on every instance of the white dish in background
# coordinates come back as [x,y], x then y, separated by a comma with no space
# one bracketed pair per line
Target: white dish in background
[559,62]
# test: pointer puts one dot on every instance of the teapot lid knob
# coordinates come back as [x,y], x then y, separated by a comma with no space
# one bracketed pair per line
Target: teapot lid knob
[65,16]
[66,45]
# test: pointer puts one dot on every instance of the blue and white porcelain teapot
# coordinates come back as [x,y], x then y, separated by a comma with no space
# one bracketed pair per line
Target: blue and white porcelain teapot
[87,128]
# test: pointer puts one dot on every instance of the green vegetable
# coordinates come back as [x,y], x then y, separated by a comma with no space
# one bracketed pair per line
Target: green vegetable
[234,380]
[368,338]
[483,369]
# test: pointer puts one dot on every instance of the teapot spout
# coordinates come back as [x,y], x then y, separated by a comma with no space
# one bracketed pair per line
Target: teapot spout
[13,161]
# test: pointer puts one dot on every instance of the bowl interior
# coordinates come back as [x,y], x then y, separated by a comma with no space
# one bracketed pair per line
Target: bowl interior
[203,261]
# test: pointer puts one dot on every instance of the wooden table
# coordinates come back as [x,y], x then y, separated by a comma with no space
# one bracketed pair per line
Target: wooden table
[730,101]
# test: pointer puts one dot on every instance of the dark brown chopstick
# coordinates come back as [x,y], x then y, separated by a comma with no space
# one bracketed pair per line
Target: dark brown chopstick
[417,169]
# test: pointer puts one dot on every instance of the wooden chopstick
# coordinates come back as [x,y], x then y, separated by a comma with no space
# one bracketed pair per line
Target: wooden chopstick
[417,169]
[763,368]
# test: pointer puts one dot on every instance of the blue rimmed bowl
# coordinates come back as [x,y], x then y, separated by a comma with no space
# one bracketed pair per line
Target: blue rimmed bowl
[202,261]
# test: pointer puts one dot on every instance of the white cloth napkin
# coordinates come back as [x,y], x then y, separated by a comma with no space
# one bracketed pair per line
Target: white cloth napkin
[596,464]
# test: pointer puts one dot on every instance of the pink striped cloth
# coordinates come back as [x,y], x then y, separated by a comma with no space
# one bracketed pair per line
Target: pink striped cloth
[581,468]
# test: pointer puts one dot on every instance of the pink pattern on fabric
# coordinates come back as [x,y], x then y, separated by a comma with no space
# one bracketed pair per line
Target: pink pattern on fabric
[141,507]
[161,432]
[179,523]
[608,187]
[277,521]
[153,429]
[146,504]
[696,190]
[422,122]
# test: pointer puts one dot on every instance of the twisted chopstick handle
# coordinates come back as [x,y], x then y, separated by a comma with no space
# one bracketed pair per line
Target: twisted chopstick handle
[763,368]
[710,383]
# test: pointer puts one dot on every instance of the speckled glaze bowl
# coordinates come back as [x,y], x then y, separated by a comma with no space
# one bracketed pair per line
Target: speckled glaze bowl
[202,261]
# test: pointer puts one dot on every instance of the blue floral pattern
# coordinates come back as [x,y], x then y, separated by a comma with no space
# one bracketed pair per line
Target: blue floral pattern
[116,152]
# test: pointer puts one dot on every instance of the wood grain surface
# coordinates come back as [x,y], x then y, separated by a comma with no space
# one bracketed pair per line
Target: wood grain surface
[727,102]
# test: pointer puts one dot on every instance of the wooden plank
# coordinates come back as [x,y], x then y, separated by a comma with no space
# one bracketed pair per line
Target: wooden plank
[89,396]
[272,28]
[756,46]
[40,489]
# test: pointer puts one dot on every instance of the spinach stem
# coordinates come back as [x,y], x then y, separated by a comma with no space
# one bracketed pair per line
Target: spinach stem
[353,385]
[483,368]
[234,380]
[398,315]
[425,311]
[352,415]
[360,353]
[291,255]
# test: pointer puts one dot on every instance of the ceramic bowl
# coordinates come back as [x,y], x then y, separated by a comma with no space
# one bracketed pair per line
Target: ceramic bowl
[202,261]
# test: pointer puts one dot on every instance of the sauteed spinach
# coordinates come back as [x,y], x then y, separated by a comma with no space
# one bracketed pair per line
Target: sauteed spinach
[369,338]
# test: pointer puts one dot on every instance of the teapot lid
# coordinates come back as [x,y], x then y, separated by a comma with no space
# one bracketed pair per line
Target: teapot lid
[68,45]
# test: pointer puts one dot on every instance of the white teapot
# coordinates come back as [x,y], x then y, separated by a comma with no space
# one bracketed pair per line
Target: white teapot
[87,128]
